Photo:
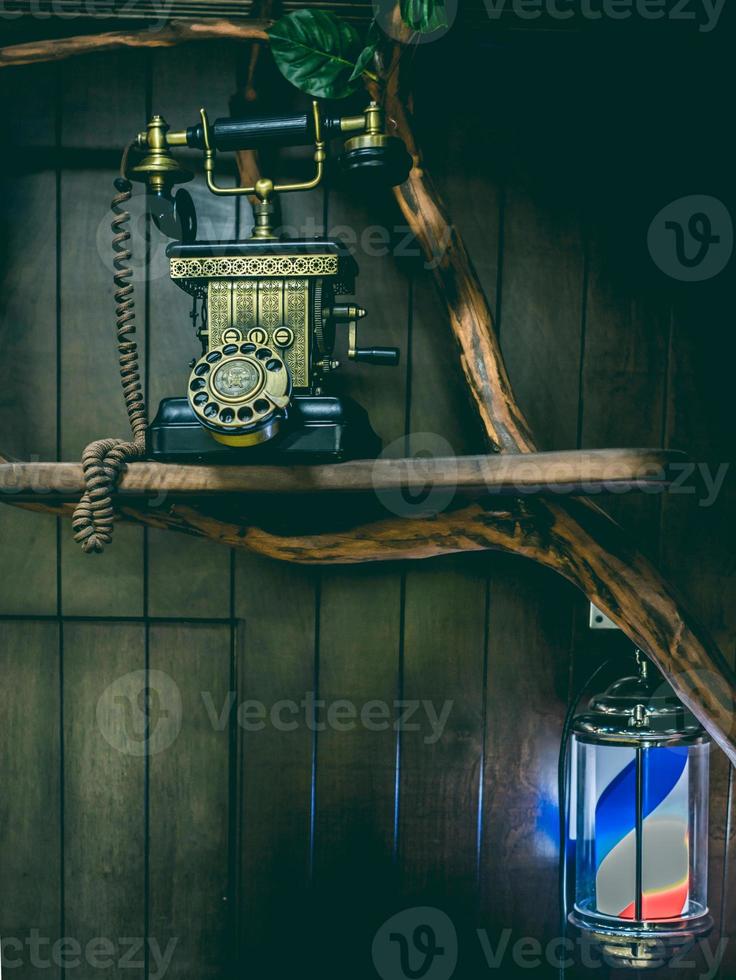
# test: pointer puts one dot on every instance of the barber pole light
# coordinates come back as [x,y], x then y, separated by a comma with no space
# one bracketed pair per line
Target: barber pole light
[639,821]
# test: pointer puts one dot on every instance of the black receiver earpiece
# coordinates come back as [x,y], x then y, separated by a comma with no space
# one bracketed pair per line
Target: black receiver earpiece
[174,217]
[376,163]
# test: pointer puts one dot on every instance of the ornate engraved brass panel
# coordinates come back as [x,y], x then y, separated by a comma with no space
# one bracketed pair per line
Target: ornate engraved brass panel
[256,265]
[236,307]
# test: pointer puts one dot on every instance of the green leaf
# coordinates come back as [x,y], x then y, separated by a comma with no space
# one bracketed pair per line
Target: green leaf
[424,16]
[365,58]
[317,52]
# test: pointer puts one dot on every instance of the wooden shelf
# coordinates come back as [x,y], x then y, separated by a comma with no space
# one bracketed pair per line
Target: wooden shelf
[582,471]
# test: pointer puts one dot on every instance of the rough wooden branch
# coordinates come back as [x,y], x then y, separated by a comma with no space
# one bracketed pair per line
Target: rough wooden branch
[576,538]
[175,32]
[470,315]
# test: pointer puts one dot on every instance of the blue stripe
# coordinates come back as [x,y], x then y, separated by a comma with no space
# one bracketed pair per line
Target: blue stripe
[615,812]
[662,770]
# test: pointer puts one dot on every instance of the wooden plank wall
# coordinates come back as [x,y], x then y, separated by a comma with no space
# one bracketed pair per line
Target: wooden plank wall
[257,848]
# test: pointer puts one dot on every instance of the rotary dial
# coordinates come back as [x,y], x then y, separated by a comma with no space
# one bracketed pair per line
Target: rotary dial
[240,392]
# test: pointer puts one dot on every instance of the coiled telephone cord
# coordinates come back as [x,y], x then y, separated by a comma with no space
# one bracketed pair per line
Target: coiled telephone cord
[104,460]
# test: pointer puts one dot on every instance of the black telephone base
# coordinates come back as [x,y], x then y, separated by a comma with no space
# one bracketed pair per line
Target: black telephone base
[319,429]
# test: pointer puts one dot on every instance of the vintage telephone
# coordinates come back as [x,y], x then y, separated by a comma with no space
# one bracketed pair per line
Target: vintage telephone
[268,307]
[267,310]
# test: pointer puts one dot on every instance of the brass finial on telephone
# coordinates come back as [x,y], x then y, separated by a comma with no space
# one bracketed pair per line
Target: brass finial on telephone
[158,168]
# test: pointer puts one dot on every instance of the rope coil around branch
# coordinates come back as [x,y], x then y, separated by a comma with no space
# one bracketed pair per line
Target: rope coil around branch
[104,460]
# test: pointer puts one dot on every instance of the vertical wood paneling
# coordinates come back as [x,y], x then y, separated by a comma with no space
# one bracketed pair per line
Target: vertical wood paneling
[441,762]
[528,652]
[693,552]
[105,738]
[28,335]
[276,671]
[624,375]
[29,93]
[372,230]
[542,307]
[103,100]
[186,577]
[360,615]
[443,668]
[530,616]
[354,771]
[189,798]
[103,104]
[30,846]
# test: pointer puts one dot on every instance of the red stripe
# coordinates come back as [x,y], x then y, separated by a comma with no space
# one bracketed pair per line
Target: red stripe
[661,905]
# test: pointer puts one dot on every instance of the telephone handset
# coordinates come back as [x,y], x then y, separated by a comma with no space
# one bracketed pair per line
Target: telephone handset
[267,310]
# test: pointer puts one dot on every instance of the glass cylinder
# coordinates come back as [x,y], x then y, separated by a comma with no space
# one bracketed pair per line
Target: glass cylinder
[641,821]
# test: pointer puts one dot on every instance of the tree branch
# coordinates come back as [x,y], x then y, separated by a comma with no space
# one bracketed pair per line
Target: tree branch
[573,537]
[175,32]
